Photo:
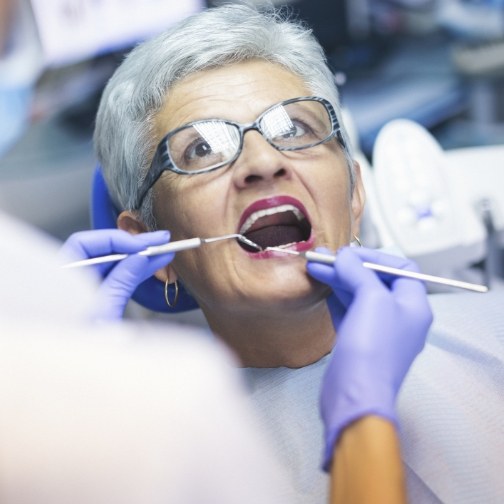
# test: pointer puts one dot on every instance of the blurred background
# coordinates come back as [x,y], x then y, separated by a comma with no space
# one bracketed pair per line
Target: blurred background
[437,62]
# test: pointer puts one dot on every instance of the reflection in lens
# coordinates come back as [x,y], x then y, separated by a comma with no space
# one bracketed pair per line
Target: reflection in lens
[300,124]
[277,122]
[223,138]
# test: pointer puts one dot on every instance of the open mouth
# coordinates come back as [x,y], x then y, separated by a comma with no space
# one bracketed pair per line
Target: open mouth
[281,225]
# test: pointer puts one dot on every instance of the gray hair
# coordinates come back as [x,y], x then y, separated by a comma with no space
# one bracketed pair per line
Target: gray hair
[124,138]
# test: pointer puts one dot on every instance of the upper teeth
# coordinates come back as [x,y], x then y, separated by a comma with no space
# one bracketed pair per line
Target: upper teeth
[269,211]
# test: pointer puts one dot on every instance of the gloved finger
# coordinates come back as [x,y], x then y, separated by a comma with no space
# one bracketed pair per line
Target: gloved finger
[411,295]
[405,288]
[346,275]
[133,270]
[352,276]
[118,287]
[154,263]
[409,290]
[124,242]
[99,242]
[325,273]
[389,260]
[379,257]
[337,309]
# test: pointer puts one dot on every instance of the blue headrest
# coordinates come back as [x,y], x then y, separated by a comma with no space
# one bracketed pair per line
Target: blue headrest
[150,293]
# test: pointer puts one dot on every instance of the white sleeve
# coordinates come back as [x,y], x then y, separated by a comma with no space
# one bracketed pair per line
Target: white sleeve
[124,416]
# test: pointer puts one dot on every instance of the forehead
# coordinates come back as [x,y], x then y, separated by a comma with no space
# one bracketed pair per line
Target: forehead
[238,92]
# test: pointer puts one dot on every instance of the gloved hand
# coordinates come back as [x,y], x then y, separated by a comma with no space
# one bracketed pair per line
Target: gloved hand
[381,325]
[120,279]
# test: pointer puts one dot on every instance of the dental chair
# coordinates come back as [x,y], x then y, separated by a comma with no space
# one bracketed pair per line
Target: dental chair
[444,209]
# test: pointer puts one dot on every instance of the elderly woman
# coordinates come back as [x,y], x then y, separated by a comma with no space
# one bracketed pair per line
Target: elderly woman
[230,123]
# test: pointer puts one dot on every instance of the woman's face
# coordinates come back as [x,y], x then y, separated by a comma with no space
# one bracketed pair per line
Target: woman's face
[264,188]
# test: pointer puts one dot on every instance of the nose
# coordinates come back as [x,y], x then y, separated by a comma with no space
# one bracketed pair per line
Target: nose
[259,162]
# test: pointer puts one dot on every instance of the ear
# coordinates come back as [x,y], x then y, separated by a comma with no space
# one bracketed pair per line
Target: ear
[358,199]
[130,222]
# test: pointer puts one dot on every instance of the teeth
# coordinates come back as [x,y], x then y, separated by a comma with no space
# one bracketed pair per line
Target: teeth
[286,245]
[270,211]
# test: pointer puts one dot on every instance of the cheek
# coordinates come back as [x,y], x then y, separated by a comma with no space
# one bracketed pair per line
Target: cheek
[335,191]
[332,197]
[168,208]
[333,187]
[338,213]
[185,210]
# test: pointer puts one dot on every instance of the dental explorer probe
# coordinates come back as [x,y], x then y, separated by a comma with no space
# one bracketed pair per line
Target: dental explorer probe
[175,246]
[311,255]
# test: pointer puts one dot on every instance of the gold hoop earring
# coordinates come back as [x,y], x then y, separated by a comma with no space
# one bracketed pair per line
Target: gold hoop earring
[356,239]
[167,295]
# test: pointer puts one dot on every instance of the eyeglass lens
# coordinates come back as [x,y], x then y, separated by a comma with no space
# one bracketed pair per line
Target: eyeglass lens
[208,144]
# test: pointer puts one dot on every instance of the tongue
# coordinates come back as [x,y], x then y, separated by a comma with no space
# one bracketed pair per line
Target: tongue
[273,236]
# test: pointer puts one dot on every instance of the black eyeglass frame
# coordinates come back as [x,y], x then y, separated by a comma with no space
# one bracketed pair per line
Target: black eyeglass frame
[162,161]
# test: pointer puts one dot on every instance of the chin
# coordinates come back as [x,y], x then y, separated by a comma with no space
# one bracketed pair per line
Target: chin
[302,296]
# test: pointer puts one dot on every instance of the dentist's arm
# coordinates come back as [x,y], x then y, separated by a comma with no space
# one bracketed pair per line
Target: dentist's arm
[367,466]
[120,279]
[381,325]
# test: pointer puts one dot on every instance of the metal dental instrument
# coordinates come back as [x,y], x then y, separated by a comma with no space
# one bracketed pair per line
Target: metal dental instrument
[311,255]
[175,246]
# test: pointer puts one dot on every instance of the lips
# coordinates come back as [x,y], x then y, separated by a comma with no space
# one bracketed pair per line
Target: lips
[274,222]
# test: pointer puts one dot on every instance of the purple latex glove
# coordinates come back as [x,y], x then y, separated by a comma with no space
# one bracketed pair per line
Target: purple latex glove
[120,279]
[381,324]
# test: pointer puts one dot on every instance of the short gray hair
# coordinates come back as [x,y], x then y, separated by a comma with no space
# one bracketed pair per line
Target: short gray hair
[124,138]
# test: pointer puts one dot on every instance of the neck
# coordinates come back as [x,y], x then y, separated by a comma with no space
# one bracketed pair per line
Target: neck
[292,339]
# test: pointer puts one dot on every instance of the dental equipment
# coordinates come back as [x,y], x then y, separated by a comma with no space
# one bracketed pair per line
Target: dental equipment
[166,248]
[311,255]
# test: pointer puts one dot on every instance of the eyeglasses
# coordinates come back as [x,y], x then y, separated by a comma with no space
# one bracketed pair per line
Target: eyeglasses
[209,144]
